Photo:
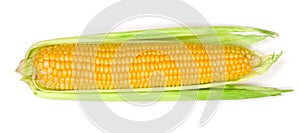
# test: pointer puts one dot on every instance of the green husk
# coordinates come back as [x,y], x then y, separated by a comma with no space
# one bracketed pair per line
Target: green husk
[225,35]
[229,92]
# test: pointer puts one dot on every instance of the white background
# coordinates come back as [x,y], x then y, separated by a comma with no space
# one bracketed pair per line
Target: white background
[26,22]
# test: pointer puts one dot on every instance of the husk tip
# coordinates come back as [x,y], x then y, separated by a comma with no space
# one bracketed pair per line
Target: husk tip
[274,35]
[287,90]
[20,66]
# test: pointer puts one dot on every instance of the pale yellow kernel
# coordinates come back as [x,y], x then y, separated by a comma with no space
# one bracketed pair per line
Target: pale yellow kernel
[62,86]
[202,80]
[58,73]
[62,65]
[71,58]
[62,80]
[50,78]
[46,64]
[56,57]
[57,86]
[233,67]
[206,80]
[231,55]
[69,73]
[228,68]
[39,66]
[52,64]
[46,57]
[54,72]
[44,78]
[238,66]
[57,65]
[64,73]
[52,57]
[209,70]
[49,70]
[231,61]
[48,85]
[39,58]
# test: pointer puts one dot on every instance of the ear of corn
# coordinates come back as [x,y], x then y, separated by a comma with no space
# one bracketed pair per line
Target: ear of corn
[43,58]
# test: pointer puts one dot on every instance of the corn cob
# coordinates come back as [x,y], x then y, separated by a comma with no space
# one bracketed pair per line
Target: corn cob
[54,66]
[62,66]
